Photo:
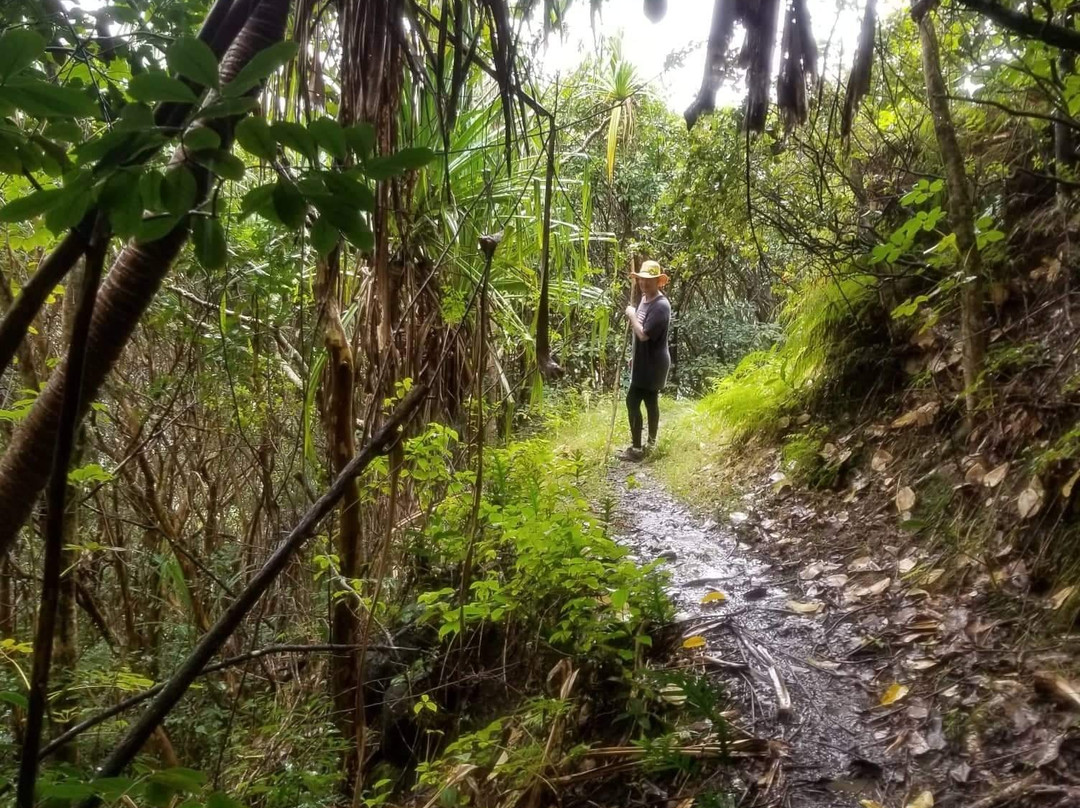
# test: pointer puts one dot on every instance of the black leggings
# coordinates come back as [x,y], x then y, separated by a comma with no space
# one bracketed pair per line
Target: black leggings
[634,397]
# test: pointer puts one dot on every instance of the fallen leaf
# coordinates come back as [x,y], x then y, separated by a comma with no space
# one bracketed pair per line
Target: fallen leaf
[895,692]
[880,460]
[870,804]
[1067,489]
[835,581]
[976,474]
[738,517]
[875,588]
[823,664]
[1059,598]
[920,416]
[906,565]
[811,572]
[905,499]
[920,664]
[697,641]
[1030,500]
[714,597]
[813,607]
[995,476]
[924,800]
[863,564]
[1059,687]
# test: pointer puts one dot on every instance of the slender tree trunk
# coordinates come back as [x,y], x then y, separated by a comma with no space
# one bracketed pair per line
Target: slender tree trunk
[961,212]
[338,422]
[547,366]
[1064,136]
[130,286]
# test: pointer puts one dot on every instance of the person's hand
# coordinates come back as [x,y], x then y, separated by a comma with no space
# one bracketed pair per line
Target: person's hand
[630,311]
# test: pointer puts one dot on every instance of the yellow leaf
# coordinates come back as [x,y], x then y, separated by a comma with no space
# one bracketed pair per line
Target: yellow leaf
[697,641]
[714,597]
[813,607]
[924,800]
[870,804]
[1059,598]
[894,694]
[905,499]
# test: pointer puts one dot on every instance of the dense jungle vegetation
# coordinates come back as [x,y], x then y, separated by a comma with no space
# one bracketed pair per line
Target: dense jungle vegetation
[296,296]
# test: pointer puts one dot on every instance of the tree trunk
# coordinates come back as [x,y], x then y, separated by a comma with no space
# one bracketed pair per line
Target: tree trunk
[127,292]
[338,422]
[548,368]
[961,213]
[1064,137]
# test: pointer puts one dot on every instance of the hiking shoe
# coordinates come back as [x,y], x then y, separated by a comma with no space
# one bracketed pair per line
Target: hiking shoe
[633,453]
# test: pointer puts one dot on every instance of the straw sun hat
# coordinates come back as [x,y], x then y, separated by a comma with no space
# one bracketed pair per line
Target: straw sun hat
[651,269]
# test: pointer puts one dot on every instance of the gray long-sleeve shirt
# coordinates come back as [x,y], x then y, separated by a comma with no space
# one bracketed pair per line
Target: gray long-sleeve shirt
[651,358]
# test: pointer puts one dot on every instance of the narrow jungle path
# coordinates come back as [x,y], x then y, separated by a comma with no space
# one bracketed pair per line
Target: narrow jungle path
[816,671]
[755,645]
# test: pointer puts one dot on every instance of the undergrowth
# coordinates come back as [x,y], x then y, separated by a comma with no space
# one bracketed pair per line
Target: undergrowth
[818,325]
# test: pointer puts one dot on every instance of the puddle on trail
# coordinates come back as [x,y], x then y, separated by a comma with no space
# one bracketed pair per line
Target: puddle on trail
[832,757]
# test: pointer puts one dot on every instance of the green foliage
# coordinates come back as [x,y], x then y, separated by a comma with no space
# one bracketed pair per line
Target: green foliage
[818,327]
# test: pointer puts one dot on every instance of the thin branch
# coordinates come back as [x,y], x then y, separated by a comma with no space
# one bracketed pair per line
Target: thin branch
[54,520]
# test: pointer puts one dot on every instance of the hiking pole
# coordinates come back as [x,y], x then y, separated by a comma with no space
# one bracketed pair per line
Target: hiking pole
[615,395]
[618,377]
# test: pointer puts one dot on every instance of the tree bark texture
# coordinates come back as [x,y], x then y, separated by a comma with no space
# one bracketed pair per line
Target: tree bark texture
[130,287]
[961,214]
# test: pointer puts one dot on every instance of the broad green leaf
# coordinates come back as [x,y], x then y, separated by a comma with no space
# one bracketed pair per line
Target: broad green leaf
[153,87]
[44,100]
[259,200]
[262,64]
[19,48]
[29,206]
[219,799]
[330,137]
[296,137]
[208,238]
[72,205]
[111,788]
[361,139]
[381,168]
[350,189]
[255,136]
[193,59]
[13,698]
[179,779]
[223,164]
[201,138]
[154,227]
[91,472]
[65,131]
[178,190]
[289,204]
[66,791]
[123,201]
[324,236]
[228,108]
[150,189]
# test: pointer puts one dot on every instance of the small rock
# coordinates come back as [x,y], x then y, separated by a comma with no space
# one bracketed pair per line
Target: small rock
[960,773]
[668,555]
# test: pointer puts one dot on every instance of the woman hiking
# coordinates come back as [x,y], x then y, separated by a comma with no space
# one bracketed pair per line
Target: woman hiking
[651,360]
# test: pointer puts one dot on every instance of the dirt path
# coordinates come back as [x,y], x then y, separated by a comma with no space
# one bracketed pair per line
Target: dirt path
[838,744]
[832,757]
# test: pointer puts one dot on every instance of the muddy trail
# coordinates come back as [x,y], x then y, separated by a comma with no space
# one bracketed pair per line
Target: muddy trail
[804,676]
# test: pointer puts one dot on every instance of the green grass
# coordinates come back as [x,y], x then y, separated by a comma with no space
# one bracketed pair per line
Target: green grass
[690,449]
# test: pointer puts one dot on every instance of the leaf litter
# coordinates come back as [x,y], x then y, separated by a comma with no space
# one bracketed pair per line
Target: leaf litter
[825,654]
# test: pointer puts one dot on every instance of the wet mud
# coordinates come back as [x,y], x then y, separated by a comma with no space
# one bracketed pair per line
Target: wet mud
[827,752]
